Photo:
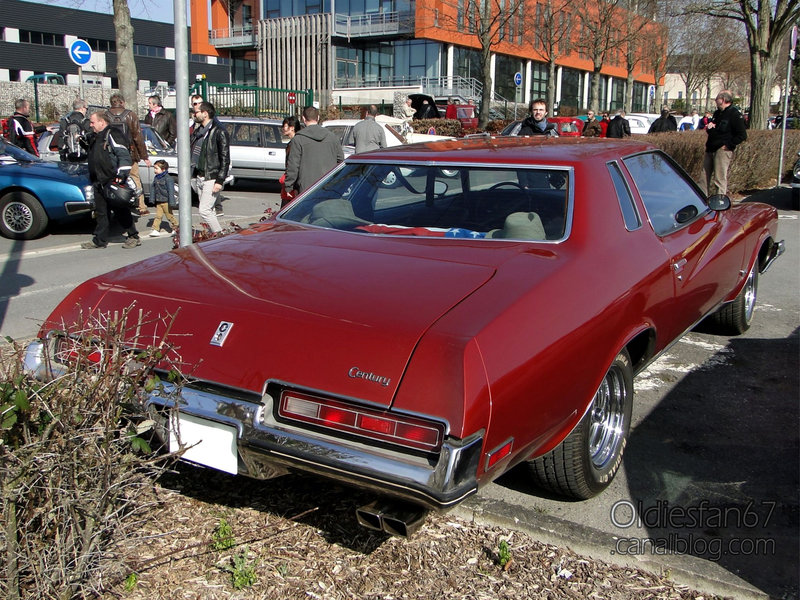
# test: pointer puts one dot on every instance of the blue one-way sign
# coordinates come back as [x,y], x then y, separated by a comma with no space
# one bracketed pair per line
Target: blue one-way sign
[80,52]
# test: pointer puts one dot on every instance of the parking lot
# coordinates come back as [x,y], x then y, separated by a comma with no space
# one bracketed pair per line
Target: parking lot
[709,485]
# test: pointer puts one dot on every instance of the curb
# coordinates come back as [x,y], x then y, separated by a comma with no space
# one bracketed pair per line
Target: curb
[696,573]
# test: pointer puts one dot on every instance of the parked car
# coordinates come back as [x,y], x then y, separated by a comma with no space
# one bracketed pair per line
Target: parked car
[397,132]
[258,148]
[157,149]
[639,124]
[419,340]
[566,126]
[427,108]
[35,193]
[53,78]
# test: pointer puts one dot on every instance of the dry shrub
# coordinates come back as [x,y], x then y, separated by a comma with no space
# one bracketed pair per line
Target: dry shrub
[755,163]
[451,127]
[73,463]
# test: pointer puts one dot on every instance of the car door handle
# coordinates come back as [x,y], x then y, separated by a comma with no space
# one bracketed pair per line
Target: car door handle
[272,153]
[678,265]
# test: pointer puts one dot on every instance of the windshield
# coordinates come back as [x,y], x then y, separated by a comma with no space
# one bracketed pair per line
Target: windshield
[440,201]
[154,142]
[10,152]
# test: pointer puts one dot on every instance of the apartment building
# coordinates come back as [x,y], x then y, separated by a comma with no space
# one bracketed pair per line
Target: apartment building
[35,39]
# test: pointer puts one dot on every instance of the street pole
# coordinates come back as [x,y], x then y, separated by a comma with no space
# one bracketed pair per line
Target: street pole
[182,116]
[792,45]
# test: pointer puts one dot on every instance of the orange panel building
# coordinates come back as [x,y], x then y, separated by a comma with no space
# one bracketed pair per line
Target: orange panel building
[362,48]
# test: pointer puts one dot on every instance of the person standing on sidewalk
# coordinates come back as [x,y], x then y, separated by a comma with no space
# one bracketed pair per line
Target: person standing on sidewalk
[161,120]
[315,151]
[368,133]
[726,130]
[210,162]
[109,168]
[127,121]
[21,132]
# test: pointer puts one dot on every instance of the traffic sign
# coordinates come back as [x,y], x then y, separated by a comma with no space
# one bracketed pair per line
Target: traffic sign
[518,79]
[80,52]
[291,97]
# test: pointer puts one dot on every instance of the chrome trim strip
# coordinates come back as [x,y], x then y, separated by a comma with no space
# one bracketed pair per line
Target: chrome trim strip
[434,483]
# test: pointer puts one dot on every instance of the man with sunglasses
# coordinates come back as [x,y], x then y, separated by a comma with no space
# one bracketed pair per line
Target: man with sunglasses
[210,161]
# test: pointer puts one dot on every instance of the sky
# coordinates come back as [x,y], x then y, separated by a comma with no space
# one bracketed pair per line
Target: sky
[161,11]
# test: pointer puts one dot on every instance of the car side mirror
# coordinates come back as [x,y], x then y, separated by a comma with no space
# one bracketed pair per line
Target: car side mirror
[719,202]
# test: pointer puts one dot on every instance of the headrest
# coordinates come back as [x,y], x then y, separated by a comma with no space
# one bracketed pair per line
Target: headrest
[337,213]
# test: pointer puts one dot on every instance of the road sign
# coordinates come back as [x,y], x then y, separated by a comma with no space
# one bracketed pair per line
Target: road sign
[518,79]
[80,52]
[291,97]
[652,91]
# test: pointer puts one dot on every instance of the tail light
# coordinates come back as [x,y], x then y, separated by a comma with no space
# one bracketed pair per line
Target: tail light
[395,429]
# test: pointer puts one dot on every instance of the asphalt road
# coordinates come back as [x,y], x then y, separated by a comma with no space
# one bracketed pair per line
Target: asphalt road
[709,486]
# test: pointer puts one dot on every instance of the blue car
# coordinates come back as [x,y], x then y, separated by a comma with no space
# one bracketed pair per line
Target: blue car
[34,193]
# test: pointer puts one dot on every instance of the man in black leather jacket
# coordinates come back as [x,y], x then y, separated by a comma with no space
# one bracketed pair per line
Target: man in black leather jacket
[726,130]
[210,162]
[161,120]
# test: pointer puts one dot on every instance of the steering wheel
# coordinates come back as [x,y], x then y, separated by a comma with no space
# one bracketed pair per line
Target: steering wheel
[503,184]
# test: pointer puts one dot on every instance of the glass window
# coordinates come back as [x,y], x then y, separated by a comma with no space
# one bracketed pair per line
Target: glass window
[452,201]
[665,191]
[626,204]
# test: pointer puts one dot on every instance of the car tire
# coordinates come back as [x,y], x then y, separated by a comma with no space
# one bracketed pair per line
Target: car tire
[796,198]
[734,318]
[22,217]
[585,463]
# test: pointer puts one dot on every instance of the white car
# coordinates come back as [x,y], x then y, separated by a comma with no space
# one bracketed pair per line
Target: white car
[397,131]
[258,148]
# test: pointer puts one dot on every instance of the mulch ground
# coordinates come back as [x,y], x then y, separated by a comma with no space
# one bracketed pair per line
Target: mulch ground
[297,537]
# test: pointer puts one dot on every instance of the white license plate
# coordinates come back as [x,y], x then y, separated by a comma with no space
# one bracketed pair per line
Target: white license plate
[207,442]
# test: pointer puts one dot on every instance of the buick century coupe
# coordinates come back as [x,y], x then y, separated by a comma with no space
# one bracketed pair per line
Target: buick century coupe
[427,317]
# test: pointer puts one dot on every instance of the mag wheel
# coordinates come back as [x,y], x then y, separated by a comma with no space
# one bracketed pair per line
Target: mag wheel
[21,216]
[585,463]
[735,317]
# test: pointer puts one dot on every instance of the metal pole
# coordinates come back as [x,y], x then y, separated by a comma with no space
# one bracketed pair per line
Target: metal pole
[80,81]
[182,115]
[785,112]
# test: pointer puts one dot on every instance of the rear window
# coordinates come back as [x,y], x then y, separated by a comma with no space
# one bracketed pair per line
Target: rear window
[527,204]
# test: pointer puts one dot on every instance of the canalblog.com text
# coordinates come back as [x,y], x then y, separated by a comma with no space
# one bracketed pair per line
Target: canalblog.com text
[710,548]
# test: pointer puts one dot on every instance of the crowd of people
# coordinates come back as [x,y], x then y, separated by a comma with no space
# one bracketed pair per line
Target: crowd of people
[110,141]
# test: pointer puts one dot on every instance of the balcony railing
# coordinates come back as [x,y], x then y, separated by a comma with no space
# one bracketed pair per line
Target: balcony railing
[465,88]
[233,37]
[373,24]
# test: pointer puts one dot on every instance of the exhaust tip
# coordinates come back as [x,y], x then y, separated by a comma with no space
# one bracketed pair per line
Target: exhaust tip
[392,518]
[369,516]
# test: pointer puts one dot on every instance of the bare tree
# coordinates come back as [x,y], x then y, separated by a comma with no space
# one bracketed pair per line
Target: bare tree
[492,22]
[636,35]
[766,24]
[126,65]
[599,39]
[551,24]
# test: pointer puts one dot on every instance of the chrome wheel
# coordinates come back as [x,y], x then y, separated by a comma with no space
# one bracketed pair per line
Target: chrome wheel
[750,289]
[17,217]
[607,419]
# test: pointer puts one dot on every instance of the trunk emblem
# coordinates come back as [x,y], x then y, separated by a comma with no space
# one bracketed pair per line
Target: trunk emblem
[221,333]
[357,373]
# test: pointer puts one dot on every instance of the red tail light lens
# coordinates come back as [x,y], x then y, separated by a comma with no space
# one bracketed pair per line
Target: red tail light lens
[384,426]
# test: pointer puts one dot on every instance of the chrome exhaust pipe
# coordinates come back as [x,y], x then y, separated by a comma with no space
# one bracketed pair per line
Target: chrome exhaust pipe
[392,518]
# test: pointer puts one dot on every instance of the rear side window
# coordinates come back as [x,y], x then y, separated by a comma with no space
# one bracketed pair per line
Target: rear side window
[629,213]
[664,190]
[244,134]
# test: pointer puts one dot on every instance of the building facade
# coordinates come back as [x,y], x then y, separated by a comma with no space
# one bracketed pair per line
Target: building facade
[35,39]
[353,48]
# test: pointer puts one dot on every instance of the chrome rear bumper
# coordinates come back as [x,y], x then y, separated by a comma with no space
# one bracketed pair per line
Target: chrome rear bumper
[267,448]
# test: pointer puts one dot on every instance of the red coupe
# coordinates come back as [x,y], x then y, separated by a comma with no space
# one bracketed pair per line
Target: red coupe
[427,317]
